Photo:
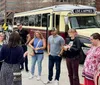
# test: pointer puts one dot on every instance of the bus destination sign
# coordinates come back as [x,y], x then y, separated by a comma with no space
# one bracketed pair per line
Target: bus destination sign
[83,11]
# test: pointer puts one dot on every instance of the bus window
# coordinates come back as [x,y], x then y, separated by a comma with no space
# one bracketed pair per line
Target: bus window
[31,20]
[38,20]
[83,22]
[22,20]
[74,22]
[17,19]
[26,19]
[44,19]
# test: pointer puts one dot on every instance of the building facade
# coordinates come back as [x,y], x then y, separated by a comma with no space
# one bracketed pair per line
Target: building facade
[8,8]
[98,5]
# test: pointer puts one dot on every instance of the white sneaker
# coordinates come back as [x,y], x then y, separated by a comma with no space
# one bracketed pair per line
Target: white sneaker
[56,82]
[31,76]
[38,78]
[48,82]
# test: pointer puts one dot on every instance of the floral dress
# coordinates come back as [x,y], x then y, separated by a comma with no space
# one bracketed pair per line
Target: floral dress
[91,63]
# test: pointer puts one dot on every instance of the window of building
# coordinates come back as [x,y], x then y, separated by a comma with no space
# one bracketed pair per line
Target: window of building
[61,0]
[57,0]
[70,1]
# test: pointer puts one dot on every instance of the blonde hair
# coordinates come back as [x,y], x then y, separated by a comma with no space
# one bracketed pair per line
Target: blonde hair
[41,35]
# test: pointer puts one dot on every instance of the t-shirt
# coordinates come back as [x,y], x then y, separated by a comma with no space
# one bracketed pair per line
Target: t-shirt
[55,44]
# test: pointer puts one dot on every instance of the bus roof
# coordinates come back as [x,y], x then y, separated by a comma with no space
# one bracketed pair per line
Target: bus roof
[63,7]
[71,7]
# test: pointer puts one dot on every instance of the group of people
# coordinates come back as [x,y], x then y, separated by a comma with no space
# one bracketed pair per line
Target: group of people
[15,52]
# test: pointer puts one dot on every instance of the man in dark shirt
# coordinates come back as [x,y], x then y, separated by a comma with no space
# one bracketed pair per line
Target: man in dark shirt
[24,41]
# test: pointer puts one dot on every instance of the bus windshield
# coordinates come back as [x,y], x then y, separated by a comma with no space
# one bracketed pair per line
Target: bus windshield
[83,22]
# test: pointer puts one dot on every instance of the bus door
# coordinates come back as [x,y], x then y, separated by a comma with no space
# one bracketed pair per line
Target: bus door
[56,21]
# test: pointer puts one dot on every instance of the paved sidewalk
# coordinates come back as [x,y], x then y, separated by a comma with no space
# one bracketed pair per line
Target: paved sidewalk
[63,78]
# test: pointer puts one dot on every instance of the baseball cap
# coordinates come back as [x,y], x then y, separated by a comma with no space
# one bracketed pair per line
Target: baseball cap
[53,29]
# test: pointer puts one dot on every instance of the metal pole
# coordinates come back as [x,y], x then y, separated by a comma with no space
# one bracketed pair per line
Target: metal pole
[5,12]
[47,33]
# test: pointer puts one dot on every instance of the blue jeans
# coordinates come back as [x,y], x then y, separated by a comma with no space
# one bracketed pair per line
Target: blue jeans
[57,61]
[38,58]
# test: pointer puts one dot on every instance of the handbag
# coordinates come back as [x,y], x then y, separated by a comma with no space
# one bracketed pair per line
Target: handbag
[30,51]
[17,76]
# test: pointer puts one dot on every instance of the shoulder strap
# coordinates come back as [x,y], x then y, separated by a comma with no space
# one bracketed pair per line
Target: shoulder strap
[38,43]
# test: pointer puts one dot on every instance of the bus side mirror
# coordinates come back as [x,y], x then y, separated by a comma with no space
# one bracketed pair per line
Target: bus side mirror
[66,20]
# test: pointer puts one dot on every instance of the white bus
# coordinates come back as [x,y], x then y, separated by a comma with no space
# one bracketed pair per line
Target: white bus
[63,17]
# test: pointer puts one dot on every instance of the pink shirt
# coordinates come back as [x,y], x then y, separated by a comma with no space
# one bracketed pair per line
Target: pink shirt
[91,63]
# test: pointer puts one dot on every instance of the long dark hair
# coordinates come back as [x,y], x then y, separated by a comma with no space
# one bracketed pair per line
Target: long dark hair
[14,39]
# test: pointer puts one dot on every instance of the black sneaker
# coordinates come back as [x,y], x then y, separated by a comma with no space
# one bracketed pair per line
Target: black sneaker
[27,70]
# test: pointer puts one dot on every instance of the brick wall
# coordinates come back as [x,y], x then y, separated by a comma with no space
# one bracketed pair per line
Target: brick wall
[98,5]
